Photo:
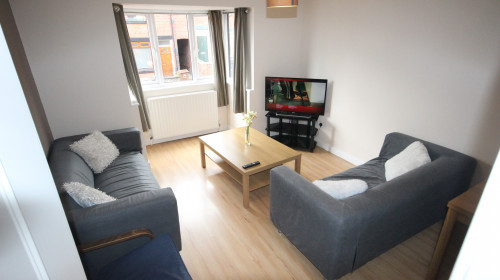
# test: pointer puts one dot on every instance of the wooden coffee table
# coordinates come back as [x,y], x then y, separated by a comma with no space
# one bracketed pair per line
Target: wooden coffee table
[229,151]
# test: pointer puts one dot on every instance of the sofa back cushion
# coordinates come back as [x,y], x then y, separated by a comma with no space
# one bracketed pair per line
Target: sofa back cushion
[66,166]
[396,142]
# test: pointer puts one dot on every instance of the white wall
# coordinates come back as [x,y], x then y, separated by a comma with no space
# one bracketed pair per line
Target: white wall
[36,239]
[74,53]
[279,51]
[426,68]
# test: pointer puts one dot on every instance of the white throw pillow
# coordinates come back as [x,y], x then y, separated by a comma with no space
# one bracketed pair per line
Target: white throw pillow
[413,156]
[97,151]
[342,189]
[86,196]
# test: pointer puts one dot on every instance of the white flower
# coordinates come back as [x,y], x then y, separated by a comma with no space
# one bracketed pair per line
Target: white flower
[248,118]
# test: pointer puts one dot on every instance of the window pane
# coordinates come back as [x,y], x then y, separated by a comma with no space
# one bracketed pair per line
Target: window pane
[182,51]
[141,45]
[173,44]
[164,32]
[203,47]
[230,28]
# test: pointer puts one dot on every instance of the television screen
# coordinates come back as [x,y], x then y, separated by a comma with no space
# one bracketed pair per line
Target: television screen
[296,95]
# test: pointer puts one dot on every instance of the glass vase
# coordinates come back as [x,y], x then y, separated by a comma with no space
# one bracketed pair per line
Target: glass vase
[247,136]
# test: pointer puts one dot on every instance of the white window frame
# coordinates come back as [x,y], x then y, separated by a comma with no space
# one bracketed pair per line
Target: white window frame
[227,45]
[155,50]
[192,45]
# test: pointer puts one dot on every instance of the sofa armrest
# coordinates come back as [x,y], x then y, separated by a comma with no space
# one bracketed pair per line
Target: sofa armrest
[126,139]
[155,210]
[317,224]
[115,239]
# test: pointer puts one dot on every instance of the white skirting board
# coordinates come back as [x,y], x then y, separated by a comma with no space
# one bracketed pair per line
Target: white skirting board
[162,140]
[342,154]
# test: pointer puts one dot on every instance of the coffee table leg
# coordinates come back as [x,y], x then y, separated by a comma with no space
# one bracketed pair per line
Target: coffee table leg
[246,191]
[297,163]
[202,153]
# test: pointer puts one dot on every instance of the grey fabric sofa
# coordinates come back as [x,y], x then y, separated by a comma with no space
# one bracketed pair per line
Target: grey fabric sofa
[339,236]
[140,201]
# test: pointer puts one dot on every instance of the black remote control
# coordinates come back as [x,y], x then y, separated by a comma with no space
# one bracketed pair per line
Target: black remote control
[251,164]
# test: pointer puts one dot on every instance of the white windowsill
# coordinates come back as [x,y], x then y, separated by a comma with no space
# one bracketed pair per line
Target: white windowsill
[156,86]
[133,100]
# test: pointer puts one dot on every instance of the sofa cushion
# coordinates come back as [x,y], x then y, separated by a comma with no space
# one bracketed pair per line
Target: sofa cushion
[86,196]
[343,188]
[371,172]
[97,150]
[67,166]
[413,156]
[127,175]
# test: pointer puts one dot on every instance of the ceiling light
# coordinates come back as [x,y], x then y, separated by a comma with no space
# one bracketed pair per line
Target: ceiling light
[282,3]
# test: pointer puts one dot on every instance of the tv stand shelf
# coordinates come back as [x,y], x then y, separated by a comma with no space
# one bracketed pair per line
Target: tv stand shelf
[293,130]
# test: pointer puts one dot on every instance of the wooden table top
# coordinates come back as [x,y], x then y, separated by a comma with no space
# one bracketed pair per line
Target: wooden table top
[466,203]
[230,145]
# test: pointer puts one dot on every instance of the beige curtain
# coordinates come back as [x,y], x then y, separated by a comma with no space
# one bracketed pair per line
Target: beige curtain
[134,83]
[217,37]
[239,77]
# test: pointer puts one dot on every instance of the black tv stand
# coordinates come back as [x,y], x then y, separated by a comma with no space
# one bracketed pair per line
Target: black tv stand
[287,114]
[294,130]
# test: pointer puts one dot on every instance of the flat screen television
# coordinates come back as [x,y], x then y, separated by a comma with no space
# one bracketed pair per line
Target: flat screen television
[296,95]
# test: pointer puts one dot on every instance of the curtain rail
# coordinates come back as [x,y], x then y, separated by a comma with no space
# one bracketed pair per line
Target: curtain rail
[149,11]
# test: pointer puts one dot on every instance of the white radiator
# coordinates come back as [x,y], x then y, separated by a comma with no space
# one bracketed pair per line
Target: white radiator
[187,114]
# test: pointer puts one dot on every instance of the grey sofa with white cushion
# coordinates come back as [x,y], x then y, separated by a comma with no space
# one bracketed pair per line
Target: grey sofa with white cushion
[140,202]
[338,236]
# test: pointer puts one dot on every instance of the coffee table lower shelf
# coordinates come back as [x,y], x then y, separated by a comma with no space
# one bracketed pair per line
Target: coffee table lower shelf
[257,180]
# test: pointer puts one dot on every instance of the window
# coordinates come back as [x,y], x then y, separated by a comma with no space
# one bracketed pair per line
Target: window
[171,48]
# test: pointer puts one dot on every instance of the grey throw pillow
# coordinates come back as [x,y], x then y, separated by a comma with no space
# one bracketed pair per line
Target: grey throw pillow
[413,156]
[342,189]
[86,196]
[97,151]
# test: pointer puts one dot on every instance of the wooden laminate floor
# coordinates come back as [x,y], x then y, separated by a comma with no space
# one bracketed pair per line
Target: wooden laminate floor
[223,240]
